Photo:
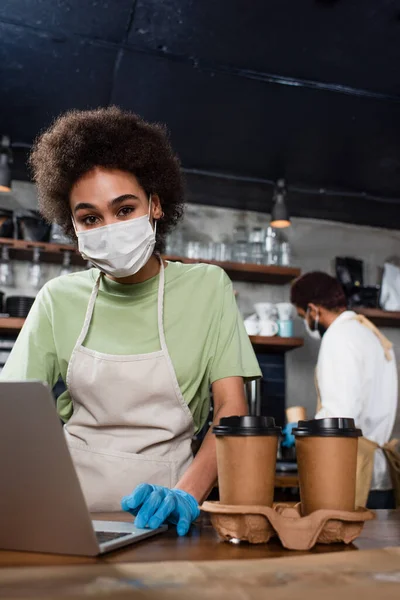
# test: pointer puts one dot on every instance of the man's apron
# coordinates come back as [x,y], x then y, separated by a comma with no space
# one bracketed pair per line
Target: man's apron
[366,447]
[130,422]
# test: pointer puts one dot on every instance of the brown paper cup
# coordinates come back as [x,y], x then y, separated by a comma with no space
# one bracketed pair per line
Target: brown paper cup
[246,469]
[327,472]
[246,458]
[294,414]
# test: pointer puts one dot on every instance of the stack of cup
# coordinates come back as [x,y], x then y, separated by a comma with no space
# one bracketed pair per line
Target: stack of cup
[326,452]
[267,325]
[285,322]
[246,457]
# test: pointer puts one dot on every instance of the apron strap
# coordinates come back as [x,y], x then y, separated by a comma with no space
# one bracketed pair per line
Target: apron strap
[160,307]
[392,453]
[89,312]
[385,343]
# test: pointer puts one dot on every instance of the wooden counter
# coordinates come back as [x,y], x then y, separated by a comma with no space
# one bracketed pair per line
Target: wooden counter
[203,544]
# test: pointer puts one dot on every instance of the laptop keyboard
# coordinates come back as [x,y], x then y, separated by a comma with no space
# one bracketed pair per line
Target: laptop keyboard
[108,536]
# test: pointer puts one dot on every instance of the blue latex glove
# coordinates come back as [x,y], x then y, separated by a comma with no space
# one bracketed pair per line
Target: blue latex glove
[288,437]
[153,505]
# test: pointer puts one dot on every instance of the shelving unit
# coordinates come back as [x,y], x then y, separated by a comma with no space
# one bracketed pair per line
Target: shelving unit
[271,274]
[52,253]
[275,344]
[381,318]
[274,275]
[10,324]
[261,344]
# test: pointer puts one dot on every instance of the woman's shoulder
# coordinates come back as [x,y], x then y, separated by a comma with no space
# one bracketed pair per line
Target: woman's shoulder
[69,285]
[198,273]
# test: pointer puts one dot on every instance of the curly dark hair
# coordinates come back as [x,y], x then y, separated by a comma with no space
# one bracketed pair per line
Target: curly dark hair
[78,141]
[320,289]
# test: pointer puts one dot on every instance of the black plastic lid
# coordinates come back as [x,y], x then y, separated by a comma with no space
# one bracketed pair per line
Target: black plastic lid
[241,426]
[331,427]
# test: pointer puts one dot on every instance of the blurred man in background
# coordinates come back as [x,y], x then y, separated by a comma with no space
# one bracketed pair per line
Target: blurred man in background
[356,377]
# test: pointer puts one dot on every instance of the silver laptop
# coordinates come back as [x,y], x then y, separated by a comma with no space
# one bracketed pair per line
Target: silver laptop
[42,507]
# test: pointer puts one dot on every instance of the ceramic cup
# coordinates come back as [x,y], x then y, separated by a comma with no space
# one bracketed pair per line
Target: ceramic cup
[268,328]
[285,311]
[285,328]
[252,326]
[264,310]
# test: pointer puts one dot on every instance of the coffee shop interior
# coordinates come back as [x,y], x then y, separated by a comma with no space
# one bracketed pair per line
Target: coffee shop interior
[285,117]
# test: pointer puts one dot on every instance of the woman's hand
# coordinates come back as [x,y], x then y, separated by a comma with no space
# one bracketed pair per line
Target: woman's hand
[288,437]
[153,505]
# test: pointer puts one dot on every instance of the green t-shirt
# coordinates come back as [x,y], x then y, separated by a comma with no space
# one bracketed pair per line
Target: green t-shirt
[204,331]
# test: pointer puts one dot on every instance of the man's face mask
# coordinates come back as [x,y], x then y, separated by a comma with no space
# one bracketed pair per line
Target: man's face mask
[313,332]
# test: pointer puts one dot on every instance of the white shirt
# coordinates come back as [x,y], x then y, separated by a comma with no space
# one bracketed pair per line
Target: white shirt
[356,380]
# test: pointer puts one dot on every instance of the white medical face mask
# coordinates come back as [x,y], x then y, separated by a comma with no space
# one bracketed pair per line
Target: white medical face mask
[120,249]
[315,334]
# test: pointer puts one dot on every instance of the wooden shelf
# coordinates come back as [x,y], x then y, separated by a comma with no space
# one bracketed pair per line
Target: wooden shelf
[21,249]
[51,253]
[45,246]
[248,272]
[381,318]
[275,344]
[10,324]
[261,344]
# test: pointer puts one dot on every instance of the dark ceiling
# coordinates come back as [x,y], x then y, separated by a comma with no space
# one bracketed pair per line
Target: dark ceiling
[305,89]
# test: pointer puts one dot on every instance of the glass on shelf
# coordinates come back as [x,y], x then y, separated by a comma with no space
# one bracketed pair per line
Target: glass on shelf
[240,252]
[271,247]
[7,276]
[256,245]
[223,252]
[257,255]
[285,257]
[208,251]
[193,250]
[35,271]
[175,245]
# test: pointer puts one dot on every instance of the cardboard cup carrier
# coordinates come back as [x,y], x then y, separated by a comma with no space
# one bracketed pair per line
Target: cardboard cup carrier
[326,452]
[246,458]
[327,460]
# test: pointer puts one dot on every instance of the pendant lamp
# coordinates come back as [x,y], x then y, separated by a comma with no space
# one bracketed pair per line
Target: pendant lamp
[279,214]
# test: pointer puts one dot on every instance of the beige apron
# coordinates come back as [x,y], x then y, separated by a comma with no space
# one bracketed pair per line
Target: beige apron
[366,447]
[130,422]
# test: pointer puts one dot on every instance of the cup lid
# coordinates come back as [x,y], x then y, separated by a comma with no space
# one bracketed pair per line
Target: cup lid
[329,427]
[242,426]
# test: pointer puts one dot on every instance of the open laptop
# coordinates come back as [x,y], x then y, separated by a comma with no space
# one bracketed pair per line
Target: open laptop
[42,507]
